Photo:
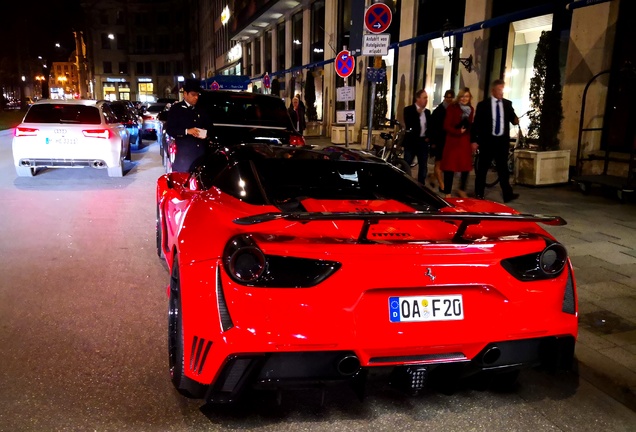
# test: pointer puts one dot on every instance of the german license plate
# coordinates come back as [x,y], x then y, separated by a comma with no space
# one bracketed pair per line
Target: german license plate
[62,141]
[426,308]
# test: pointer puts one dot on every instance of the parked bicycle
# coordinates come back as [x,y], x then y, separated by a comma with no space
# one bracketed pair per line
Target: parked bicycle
[519,142]
[392,150]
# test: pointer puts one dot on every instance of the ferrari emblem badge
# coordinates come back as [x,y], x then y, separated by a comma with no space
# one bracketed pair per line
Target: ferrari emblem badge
[429,273]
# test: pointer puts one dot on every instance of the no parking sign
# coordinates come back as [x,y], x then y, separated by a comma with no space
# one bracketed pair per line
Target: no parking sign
[344,63]
[377,18]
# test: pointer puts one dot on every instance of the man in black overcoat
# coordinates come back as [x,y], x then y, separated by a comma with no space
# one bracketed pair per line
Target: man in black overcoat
[189,126]
[491,131]
[416,120]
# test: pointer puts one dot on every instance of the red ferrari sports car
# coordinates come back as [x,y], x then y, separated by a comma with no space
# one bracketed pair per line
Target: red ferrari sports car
[309,266]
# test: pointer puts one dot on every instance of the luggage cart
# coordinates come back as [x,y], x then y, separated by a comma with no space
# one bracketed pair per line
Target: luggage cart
[622,185]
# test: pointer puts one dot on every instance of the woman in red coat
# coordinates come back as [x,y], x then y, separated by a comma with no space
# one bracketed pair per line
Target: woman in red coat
[458,150]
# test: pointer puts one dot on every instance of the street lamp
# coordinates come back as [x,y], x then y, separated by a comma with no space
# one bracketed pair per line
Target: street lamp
[448,38]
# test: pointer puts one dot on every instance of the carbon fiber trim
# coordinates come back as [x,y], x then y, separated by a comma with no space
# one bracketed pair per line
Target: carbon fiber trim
[569,304]
[426,358]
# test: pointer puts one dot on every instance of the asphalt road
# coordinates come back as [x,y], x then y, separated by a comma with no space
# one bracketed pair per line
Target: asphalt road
[83,317]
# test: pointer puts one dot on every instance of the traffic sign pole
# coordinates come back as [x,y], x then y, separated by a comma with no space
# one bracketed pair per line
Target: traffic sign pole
[377,63]
[345,64]
[346,84]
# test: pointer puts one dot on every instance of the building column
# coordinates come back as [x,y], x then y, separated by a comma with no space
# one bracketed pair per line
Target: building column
[405,67]
[274,66]
[289,46]
[590,51]
[329,95]
[476,44]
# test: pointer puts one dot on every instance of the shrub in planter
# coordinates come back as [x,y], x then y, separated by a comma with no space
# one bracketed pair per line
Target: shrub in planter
[546,94]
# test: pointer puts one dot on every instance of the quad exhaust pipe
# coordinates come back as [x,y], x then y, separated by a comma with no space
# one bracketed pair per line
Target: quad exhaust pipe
[491,355]
[348,365]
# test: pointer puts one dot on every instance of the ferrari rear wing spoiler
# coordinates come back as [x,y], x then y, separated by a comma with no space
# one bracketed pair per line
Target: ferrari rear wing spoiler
[370,218]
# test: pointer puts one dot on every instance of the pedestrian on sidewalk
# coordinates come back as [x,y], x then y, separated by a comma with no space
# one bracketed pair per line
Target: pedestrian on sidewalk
[297,114]
[491,132]
[437,136]
[416,120]
[458,149]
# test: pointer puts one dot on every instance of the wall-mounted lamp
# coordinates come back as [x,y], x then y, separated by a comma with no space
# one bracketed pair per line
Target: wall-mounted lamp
[450,48]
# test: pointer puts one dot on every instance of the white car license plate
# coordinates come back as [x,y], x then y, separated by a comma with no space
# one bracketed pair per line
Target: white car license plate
[61,141]
[426,308]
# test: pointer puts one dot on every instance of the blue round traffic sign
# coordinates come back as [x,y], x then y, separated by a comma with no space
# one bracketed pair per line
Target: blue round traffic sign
[345,64]
[377,18]
[214,85]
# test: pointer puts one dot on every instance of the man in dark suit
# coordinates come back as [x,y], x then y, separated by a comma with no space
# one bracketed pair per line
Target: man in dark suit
[491,132]
[416,142]
[189,127]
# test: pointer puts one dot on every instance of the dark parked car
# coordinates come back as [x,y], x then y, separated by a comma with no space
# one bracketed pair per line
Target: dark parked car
[242,117]
[129,118]
[152,127]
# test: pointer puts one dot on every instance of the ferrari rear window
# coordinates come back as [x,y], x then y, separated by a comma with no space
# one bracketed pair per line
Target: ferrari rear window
[63,113]
[283,182]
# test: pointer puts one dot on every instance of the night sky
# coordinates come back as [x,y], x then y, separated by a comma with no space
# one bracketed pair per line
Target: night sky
[33,28]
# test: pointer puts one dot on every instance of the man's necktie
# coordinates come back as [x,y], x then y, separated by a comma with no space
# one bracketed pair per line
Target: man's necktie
[498,119]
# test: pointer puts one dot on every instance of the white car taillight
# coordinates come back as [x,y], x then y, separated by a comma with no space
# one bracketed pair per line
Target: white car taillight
[22,131]
[97,133]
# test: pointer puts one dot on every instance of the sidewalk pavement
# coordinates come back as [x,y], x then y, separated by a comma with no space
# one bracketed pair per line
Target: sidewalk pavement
[600,236]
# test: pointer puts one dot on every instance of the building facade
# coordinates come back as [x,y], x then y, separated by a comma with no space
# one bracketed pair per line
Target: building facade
[434,44]
[142,49]
[138,50]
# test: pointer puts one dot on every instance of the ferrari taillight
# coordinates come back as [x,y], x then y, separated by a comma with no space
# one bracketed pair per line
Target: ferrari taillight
[24,131]
[296,140]
[546,264]
[246,264]
[243,260]
[97,133]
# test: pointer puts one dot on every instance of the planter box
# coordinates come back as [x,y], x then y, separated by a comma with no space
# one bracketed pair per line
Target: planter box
[338,134]
[538,168]
[375,137]
[313,129]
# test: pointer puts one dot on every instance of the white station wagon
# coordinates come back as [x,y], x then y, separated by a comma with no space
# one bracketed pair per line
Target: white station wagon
[70,134]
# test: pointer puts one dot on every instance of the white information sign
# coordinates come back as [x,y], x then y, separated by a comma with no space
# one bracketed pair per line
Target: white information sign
[376,44]
[346,116]
[346,94]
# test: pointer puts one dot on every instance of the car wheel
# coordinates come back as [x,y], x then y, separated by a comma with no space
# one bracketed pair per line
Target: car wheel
[128,156]
[183,384]
[25,171]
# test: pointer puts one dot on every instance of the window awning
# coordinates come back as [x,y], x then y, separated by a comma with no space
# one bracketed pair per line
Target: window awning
[228,82]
